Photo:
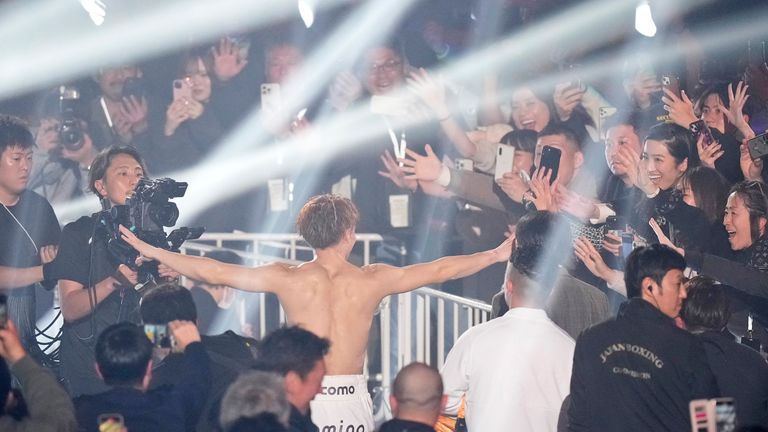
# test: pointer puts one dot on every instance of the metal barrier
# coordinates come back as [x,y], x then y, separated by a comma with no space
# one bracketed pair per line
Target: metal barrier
[432,324]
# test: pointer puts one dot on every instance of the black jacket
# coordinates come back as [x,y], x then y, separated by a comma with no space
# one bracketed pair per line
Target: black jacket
[299,422]
[637,372]
[397,425]
[741,373]
[165,409]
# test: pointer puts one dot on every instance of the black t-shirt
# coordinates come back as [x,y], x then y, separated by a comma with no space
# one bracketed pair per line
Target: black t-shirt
[83,258]
[36,216]
[24,229]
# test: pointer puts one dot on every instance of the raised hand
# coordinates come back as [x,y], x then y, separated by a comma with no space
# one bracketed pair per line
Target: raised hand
[227,63]
[10,344]
[184,333]
[663,239]
[135,111]
[751,168]
[430,91]
[735,111]
[543,192]
[587,253]
[680,109]
[395,173]
[709,154]
[423,168]
[567,97]
[642,87]
[504,250]
[176,114]
[513,185]
[577,205]
[346,88]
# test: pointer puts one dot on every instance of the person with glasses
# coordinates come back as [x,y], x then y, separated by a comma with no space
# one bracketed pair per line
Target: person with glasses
[745,220]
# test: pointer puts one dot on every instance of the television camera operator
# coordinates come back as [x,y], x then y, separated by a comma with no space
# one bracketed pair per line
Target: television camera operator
[98,281]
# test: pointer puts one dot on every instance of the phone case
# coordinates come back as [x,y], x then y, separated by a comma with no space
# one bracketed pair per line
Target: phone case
[505,158]
[550,160]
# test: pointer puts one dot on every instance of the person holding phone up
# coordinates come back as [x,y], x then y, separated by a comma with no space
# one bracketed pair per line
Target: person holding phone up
[191,129]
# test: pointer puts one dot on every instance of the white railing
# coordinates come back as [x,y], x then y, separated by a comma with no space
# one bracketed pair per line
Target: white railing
[426,333]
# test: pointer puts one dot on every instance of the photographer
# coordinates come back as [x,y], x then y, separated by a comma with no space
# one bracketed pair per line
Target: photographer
[94,291]
[124,362]
[48,408]
[63,166]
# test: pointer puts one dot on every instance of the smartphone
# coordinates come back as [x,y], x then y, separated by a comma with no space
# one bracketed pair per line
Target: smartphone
[671,82]
[158,335]
[271,98]
[708,138]
[627,244]
[550,160]
[181,89]
[464,164]
[117,420]
[3,310]
[758,146]
[575,71]
[505,158]
[134,87]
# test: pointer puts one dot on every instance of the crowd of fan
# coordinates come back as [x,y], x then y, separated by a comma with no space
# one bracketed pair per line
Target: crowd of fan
[661,158]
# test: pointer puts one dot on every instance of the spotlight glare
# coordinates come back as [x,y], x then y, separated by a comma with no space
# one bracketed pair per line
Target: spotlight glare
[644,20]
[307,12]
[96,9]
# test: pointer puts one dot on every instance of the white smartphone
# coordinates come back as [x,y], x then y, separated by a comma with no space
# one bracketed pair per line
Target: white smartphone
[505,158]
[271,98]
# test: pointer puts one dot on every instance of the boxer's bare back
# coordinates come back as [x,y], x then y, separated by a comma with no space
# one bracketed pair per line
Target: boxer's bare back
[327,296]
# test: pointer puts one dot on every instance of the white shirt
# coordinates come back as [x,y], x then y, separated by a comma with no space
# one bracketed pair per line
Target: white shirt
[515,370]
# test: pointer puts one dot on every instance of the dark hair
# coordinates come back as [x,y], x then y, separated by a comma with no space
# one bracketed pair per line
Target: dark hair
[102,161]
[631,119]
[710,190]
[678,141]
[167,302]
[557,129]
[755,198]
[721,90]
[534,233]
[14,133]
[123,352]
[291,349]
[203,54]
[522,139]
[325,219]
[654,262]
[707,306]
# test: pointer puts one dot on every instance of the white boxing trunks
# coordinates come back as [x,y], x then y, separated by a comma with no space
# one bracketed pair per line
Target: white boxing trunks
[343,405]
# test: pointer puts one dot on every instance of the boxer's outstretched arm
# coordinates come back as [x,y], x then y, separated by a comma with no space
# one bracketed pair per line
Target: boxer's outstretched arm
[395,280]
[266,278]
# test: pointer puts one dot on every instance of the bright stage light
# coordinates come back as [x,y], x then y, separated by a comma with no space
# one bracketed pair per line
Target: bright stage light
[644,20]
[96,9]
[307,12]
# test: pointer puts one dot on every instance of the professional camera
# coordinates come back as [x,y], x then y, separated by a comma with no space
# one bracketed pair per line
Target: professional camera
[70,130]
[145,213]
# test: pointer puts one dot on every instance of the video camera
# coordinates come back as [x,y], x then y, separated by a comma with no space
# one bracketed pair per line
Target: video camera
[70,130]
[145,213]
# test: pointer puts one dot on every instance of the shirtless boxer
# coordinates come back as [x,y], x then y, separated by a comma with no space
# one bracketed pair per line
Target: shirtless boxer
[329,296]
